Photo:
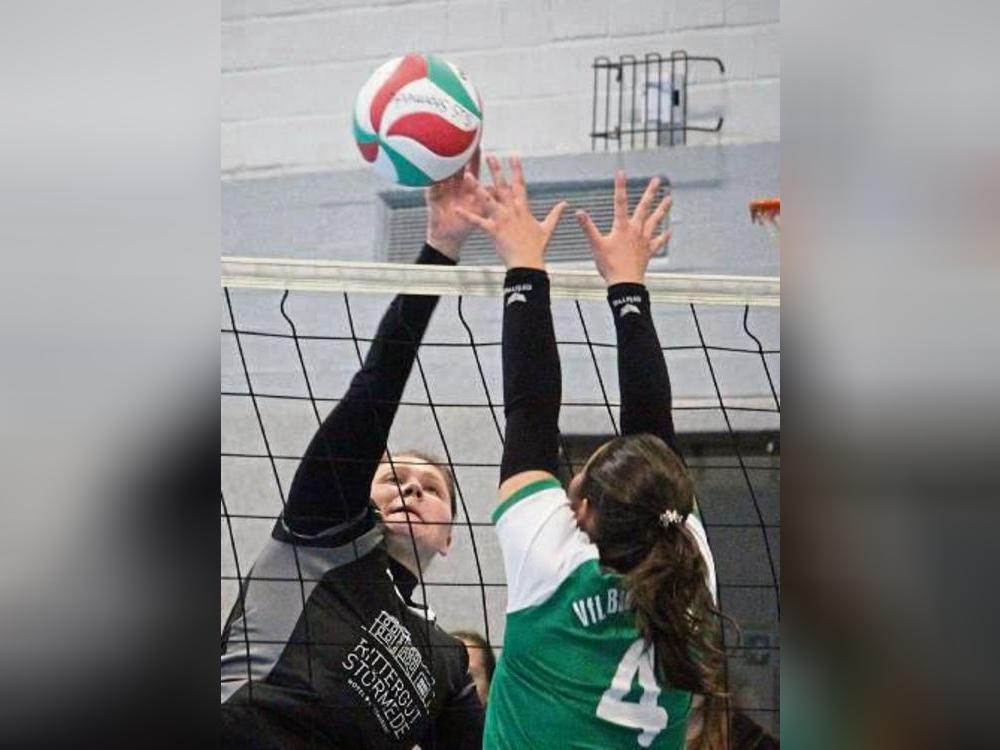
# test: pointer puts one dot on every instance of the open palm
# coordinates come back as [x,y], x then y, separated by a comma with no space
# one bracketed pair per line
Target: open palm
[519,237]
[623,254]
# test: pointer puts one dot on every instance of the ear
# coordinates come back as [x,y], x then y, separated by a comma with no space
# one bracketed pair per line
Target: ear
[447,546]
[585,515]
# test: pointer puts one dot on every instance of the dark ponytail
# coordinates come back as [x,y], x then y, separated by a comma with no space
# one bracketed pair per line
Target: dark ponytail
[630,484]
[674,610]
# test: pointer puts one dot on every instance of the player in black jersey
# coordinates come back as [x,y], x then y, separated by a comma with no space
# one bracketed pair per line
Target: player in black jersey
[325,647]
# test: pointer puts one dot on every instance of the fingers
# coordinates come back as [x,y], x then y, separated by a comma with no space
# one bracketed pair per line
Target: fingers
[656,245]
[589,229]
[471,181]
[487,225]
[484,195]
[517,177]
[497,173]
[451,184]
[455,181]
[473,166]
[654,221]
[549,225]
[642,210]
[621,197]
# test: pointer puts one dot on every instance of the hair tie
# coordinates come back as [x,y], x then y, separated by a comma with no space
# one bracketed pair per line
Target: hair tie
[670,517]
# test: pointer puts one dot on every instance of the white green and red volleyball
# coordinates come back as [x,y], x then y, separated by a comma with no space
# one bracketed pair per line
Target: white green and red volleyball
[417,120]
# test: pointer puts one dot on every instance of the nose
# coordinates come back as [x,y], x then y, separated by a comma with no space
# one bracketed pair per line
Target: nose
[412,489]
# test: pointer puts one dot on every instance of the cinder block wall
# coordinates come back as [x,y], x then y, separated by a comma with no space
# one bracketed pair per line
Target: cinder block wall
[291,68]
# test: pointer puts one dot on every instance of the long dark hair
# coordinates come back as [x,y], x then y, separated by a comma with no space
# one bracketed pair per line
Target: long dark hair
[629,484]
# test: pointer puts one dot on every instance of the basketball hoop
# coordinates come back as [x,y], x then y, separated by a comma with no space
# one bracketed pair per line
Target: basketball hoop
[767,213]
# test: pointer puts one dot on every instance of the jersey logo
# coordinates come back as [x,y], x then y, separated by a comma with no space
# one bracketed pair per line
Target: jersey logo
[626,309]
[516,297]
[388,673]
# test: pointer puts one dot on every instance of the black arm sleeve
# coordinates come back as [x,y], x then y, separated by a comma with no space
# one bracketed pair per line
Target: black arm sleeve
[532,381]
[331,488]
[642,370]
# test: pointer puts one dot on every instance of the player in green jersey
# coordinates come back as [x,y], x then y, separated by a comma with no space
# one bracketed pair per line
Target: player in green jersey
[611,621]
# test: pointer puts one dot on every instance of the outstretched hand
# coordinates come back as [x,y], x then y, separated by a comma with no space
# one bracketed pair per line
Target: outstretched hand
[623,254]
[447,228]
[520,238]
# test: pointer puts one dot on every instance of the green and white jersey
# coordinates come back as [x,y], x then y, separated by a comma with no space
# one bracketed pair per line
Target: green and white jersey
[574,672]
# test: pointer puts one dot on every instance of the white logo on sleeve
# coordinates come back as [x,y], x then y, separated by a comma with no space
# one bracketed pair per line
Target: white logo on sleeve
[518,297]
[626,309]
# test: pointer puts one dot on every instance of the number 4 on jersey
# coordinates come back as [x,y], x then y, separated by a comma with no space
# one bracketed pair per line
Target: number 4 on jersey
[644,715]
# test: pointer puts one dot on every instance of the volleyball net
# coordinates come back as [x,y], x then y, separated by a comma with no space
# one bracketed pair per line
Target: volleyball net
[295,332]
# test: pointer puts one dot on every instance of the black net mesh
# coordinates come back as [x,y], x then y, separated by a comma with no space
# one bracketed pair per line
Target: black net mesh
[288,357]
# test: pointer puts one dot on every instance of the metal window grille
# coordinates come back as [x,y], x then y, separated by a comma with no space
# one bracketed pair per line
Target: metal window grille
[644,103]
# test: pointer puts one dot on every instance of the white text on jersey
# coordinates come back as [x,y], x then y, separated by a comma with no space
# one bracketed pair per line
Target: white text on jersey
[593,609]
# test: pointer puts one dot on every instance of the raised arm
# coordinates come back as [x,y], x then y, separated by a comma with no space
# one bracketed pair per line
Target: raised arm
[331,488]
[532,383]
[621,257]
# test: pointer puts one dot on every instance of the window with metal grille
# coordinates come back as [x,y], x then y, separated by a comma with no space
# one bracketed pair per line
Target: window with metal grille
[406,225]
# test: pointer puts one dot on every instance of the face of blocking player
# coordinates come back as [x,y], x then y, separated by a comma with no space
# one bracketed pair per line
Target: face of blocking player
[414,499]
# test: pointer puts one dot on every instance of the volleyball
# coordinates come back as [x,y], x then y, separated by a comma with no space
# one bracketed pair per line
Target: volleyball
[417,120]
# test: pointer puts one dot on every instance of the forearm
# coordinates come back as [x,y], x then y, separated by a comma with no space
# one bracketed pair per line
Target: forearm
[642,371]
[331,486]
[532,381]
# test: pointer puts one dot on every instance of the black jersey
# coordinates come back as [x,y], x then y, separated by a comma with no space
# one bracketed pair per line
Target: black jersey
[342,657]
[325,647]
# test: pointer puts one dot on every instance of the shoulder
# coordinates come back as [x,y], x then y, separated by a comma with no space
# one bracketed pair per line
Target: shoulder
[540,541]
[453,654]
[528,489]
[696,527]
[289,555]
[316,533]
[442,638]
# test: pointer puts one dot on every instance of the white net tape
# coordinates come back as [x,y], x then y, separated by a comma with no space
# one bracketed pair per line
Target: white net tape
[484,281]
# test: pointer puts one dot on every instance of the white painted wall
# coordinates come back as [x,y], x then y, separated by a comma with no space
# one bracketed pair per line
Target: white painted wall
[291,68]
